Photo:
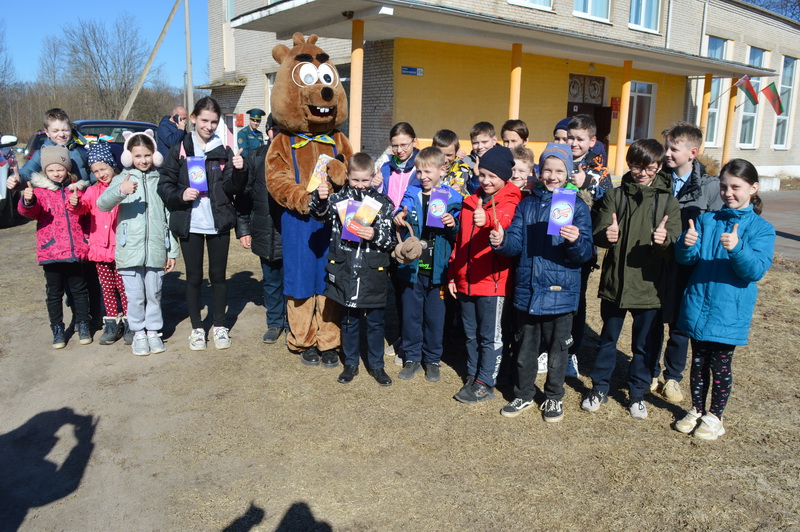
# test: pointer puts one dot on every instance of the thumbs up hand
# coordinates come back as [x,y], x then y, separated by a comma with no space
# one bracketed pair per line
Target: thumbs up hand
[497,235]
[127,186]
[660,234]
[238,160]
[730,240]
[12,181]
[612,231]
[323,189]
[73,199]
[27,194]
[690,236]
[479,217]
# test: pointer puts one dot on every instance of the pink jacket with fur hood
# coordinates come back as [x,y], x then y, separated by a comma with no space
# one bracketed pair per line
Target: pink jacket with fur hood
[102,225]
[59,236]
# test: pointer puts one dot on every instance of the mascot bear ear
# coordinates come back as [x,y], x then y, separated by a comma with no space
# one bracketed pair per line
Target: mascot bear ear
[279,53]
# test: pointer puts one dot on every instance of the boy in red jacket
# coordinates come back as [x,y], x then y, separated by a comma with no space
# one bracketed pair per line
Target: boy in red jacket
[478,276]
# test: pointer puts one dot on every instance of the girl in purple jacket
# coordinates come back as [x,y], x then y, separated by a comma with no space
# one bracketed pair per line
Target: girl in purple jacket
[61,246]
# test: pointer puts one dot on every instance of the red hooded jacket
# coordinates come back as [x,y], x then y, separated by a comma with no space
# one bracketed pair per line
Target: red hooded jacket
[474,266]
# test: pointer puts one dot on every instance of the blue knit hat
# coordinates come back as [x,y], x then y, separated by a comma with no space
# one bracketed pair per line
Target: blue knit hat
[563,124]
[499,161]
[562,152]
[99,151]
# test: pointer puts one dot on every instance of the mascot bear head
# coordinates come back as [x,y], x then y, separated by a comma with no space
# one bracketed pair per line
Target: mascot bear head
[308,96]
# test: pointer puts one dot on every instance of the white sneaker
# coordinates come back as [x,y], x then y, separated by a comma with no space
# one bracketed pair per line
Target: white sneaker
[572,367]
[221,338]
[710,428]
[154,340]
[140,346]
[197,340]
[689,422]
[638,409]
[672,391]
[542,363]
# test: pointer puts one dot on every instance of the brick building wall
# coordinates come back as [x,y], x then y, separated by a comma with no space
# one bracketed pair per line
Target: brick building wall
[378,105]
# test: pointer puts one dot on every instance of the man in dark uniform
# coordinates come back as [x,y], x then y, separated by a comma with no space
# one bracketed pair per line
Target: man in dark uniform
[250,138]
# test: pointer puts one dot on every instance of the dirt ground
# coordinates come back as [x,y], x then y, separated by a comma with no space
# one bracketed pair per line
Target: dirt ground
[94,438]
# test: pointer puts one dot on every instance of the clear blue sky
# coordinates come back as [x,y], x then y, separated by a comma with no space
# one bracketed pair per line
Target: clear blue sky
[24,35]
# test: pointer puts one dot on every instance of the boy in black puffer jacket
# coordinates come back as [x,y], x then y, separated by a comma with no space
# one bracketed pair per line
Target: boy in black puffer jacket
[357,271]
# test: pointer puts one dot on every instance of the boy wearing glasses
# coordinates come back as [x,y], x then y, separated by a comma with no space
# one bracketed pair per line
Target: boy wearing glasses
[638,223]
[250,138]
[697,192]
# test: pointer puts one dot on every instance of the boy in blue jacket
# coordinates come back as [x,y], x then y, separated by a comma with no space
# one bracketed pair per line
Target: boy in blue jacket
[547,286]
[424,280]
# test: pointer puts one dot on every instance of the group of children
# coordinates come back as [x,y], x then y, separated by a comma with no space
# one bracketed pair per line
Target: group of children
[126,224]
[442,227]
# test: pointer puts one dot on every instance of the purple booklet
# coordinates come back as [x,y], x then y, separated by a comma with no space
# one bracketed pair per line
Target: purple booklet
[349,214]
[437,207]
[562,209]
[196,167]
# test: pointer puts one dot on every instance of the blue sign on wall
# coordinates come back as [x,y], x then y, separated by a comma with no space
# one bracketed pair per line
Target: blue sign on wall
[412,71]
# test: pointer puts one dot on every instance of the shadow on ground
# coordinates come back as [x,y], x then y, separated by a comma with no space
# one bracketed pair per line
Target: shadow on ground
[29,478]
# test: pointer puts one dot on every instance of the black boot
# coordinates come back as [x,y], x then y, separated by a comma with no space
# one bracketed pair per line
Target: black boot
[127,333]
[112,331]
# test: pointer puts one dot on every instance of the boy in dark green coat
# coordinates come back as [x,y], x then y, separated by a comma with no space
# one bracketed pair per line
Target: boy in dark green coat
[638,223]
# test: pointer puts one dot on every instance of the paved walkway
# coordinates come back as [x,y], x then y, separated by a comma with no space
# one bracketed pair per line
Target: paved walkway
[782,209]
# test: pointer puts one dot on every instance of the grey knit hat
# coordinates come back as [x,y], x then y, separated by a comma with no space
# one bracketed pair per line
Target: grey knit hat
[55,155]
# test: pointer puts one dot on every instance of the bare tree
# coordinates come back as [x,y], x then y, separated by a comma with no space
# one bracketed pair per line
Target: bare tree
[790,9]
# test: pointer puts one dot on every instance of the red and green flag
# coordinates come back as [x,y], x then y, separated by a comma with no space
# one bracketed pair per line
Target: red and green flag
[747,87]
[774,97]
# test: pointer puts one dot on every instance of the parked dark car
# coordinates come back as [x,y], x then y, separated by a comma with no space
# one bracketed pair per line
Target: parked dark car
[34,144]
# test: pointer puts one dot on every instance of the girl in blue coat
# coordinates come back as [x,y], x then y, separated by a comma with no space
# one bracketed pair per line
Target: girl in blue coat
[731,250]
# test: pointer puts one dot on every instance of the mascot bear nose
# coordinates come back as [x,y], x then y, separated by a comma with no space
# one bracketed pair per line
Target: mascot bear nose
[327,94]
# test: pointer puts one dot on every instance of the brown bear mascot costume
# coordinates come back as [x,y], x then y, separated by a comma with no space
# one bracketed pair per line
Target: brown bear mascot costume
[308,103]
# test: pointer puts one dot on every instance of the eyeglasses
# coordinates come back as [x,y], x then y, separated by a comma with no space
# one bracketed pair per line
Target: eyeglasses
[255,120]
[650,170]
[403,147]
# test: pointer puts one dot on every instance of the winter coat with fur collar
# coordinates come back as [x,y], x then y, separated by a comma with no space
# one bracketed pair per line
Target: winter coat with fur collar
[59,236]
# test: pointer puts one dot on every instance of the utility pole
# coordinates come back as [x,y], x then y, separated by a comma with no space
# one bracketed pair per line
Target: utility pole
[189,85]
[132,98]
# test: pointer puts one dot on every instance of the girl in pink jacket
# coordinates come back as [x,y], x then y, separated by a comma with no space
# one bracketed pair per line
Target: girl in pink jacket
[61,246]
[102,241]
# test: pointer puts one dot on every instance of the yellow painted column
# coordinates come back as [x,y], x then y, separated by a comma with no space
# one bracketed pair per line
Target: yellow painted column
[726,147]
[624,111]
[516,81]
[704,108]
[356,84]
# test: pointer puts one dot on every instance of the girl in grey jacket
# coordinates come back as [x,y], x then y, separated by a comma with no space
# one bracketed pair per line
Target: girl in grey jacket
[146,249]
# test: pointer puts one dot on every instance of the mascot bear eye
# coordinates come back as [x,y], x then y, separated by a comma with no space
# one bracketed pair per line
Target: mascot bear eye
[305,74]
[327,74]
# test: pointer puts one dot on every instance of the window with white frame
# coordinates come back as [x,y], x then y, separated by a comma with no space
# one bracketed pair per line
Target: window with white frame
[547,4]
[747,126]
[644,14]
[715,50]
[592,8]
[781,139]
[640,117]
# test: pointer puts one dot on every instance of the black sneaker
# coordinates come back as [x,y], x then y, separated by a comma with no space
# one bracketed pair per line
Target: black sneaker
[348,374]
[272,335]
[515,407]
[409,371]
[330,358]
[84,333]
[59,336]
[475,393]
[432,372]
[381,376]
[111,331]
[552,410]
[310,357]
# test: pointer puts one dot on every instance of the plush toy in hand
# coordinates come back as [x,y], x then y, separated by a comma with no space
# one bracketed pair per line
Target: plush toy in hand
[308,104]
